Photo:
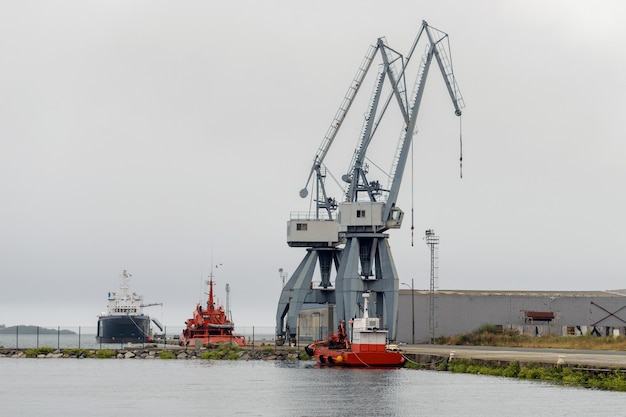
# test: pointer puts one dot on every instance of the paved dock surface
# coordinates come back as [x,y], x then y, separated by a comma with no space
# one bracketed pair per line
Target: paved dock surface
[591,358]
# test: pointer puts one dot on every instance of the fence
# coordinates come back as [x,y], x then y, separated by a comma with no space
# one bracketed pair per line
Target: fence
[64,337]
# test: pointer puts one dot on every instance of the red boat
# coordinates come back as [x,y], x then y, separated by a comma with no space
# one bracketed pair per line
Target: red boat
[210,325]
[367,348]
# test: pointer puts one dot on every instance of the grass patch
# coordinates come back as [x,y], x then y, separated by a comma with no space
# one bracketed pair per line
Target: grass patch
[34,352]
[222,352]
[166,354]
[105,354]
[78,352]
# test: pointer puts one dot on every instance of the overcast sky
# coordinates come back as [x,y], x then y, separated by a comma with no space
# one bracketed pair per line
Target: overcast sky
[163,137]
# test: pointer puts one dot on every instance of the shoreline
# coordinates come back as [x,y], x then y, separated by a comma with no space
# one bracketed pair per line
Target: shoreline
[268,353]
[603,376]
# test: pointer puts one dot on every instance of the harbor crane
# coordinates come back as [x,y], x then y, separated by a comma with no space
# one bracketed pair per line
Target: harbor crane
[348,238]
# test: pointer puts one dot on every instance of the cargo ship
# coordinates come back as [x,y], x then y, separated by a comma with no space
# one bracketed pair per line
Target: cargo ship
[124,321]
[367,347]
[211,324]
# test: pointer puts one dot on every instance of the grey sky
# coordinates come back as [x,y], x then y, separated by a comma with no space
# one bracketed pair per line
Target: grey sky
[162,137]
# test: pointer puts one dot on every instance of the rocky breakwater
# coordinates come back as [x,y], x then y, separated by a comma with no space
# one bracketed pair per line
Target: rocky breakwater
[224,352]
[46,353]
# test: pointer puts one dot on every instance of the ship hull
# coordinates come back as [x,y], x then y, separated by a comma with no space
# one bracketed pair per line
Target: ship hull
[209,333]
[355,356]
[124,329]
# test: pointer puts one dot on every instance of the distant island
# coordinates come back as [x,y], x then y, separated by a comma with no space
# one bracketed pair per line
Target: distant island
[32,330]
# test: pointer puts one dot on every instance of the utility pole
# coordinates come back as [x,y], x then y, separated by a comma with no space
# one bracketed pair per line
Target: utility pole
[432,240]
[412,309]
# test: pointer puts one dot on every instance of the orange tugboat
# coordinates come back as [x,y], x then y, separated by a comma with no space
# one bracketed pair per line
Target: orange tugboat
[367,348]
[211,324]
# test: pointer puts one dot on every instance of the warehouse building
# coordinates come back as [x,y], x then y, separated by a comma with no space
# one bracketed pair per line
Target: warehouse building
[530,312]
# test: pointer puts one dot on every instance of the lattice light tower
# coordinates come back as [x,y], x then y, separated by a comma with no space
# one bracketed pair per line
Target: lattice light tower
[432,240]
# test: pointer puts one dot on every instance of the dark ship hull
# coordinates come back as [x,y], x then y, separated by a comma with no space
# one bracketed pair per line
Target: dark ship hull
[124,329]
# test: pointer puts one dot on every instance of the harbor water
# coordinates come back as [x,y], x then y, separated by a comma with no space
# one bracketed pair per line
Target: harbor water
[149,387]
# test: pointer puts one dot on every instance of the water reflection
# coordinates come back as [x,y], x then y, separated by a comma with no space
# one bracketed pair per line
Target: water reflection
[72,387]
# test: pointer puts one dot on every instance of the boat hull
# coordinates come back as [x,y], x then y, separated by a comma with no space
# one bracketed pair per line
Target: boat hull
[355,357]
[123,329]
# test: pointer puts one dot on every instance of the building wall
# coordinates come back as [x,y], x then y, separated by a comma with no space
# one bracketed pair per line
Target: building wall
[315,323]
[458,312]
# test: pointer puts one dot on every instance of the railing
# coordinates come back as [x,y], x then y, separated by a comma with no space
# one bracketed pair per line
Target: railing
[306,215]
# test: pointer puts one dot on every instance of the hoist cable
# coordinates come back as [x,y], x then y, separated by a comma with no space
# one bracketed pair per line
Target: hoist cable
[461,145]
[412,190]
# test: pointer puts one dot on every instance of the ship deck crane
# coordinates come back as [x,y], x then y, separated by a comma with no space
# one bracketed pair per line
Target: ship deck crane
[152,304]
[353,242]
[154,320]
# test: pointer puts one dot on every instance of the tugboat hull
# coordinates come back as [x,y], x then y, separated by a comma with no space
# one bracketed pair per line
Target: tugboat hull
[351,358]
[367,347]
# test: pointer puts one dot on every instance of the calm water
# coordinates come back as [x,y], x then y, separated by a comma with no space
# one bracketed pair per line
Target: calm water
[138,388]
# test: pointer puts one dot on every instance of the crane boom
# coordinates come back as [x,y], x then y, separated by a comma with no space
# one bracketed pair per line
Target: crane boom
[438,52]
[152,304]
[357,175]
[340,115]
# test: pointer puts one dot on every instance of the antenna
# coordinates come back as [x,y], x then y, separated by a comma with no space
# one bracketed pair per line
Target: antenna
[228,315]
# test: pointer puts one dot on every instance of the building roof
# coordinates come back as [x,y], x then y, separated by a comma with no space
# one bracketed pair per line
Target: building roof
[519,293]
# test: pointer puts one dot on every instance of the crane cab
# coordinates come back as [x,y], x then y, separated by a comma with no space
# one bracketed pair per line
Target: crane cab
[360,216]
[312,233]
[367,216]
[395,218]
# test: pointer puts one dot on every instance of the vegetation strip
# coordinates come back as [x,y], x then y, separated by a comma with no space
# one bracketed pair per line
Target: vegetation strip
[610,379]
[604,379]
[218,352]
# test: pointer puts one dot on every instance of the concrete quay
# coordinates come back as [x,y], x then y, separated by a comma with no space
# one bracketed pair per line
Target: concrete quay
[591,359]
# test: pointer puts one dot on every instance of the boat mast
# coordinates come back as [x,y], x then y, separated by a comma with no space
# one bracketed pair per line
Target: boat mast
[124,285]
[210,303]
